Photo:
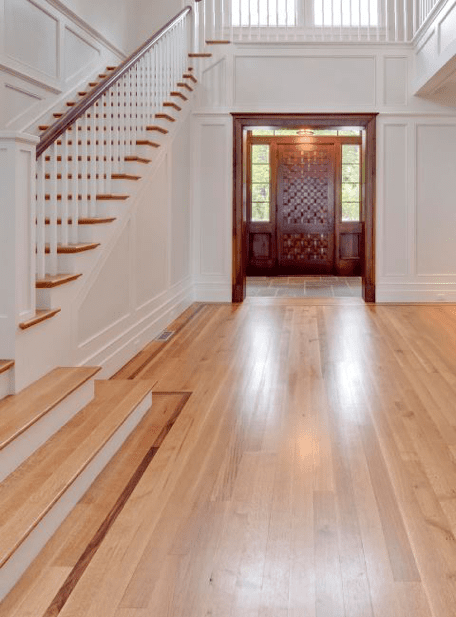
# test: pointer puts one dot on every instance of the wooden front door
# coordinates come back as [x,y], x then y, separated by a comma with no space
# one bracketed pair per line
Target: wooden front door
[305,208]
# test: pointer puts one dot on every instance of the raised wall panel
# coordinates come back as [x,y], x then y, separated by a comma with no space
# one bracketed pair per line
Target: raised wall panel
[78,53]
[436,190]
[395,202]
[323,82]
[32,36]
[151,238]
[111,290]
[447,29]
[180,206]
[426,53]
[16,102]
[395,81]
[213,193]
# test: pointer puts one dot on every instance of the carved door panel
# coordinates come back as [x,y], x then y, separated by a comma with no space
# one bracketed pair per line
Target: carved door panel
[305,207]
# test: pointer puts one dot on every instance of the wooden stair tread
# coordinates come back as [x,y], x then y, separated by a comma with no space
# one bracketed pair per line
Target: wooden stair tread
[100,197]
[49,282]
[181,84]
[98,220]
[165,117]
[125,177]
[5,365]
[159,129]
[172,105]
[200,55]
[19,412]
[147,142]
[179,94]
[190,76]
[63,249]
[137,159]
[32,489]
[40,315]
[218,42]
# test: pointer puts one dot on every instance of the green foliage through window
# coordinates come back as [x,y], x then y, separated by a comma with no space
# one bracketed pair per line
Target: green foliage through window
[351,188]
[260,187]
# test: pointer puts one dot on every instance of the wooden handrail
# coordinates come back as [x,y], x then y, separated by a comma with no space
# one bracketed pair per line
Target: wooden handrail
[59,127]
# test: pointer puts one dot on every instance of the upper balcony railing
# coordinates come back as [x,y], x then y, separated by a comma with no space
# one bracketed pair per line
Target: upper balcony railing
[387,21]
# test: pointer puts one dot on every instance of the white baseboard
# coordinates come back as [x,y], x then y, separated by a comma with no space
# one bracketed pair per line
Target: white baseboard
[415,292]
[213,292]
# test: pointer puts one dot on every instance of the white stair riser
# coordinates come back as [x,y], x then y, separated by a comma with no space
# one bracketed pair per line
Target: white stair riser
[15,453]
[6,383]
[73,263]
[113,186]
[34,543]
[86,233]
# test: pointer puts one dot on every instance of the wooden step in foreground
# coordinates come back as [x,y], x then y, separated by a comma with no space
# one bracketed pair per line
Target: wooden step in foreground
[40,316]
[82,534]
[38,496]
[32,416]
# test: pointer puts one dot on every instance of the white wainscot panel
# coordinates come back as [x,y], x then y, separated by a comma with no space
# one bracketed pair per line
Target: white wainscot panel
[78,54]
[291,81]
[16,102]
[213,85]
[180,206]
[436,190]
[32,36]
[108,299]
[151,237]
[213,193]
[426,53]
[396,80]
[447,29]
[395,201]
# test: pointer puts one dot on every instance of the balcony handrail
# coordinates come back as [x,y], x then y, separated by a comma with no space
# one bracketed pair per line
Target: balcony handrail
[59,127]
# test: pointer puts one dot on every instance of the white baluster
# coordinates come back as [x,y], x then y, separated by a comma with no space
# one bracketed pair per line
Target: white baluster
[92,165]
[108,136]
[123,121]
[84,182]
[64,207]
[52,209]
[40,217]
[101,142]
[130,138]
[73,167]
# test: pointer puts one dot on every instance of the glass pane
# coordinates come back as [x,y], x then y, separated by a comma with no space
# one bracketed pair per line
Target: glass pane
[350,211]
[260,211]
[350,133]
[318,132]
[261,132]
[263,13]
[286,131]
[260,154]
[260,192]
[350,173]
[260,173]
[350,192]
[350,155]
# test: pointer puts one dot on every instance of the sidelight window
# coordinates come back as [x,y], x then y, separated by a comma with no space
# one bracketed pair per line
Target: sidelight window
[260,184]
[351,183]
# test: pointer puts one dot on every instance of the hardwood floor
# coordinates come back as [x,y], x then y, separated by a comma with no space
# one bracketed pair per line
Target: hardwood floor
[310,473]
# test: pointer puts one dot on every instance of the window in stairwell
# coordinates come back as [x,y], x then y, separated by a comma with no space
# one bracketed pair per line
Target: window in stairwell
[265,13]
[346,13]
[260,183]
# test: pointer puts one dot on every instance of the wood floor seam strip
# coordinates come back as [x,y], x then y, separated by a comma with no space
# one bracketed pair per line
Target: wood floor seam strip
[65,591]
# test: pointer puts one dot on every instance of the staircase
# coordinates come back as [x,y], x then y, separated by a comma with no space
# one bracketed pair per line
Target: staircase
[59,432]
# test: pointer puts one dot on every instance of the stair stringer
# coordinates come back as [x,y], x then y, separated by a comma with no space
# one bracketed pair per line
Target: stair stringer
[56,341]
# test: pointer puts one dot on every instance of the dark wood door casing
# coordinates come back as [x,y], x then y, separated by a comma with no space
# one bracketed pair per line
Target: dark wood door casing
[352,239]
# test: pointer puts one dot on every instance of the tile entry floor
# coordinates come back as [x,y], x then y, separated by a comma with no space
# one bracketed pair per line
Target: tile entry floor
[304,287]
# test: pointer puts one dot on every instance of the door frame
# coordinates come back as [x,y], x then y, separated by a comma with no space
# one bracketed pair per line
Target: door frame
[244,121]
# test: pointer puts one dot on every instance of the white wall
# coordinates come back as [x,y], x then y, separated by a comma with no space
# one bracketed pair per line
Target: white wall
[47,54]
[147,16]
[416,226]
[435,55]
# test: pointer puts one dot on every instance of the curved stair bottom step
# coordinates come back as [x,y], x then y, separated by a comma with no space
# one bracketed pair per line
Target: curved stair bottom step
[13,569]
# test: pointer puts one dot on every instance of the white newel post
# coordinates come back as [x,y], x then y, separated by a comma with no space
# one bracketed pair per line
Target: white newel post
[17,235]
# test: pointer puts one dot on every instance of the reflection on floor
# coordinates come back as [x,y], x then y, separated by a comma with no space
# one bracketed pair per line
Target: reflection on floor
[304,287]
